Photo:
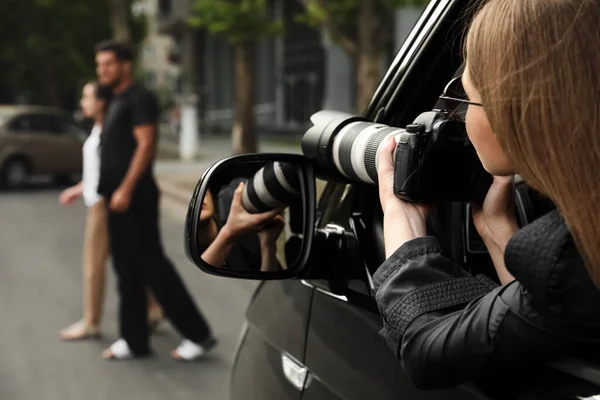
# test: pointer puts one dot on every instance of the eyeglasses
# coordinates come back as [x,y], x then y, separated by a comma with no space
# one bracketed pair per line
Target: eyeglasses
[454,100]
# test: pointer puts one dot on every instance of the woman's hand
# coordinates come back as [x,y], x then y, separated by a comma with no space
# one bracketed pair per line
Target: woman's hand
[403,221]
[496,222]
[240,221]
[68,196]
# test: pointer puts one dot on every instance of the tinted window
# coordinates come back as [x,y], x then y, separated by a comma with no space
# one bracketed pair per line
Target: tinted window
[44,123]
[62,125]
[19,124]
[40,123]
[32,122]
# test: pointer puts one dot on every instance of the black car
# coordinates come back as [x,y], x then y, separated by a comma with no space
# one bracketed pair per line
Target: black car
[312,327]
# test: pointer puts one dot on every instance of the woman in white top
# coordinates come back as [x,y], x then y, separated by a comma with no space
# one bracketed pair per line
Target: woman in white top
[94,102]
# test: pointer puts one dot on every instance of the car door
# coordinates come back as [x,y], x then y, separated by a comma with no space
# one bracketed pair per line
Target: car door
[29,134]
[271,353]
[345,356]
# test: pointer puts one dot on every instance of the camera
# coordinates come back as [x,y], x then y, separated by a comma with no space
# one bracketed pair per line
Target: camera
[433,160]
[276,185]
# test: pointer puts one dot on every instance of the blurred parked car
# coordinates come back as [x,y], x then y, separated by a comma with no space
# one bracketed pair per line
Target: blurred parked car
[38,141]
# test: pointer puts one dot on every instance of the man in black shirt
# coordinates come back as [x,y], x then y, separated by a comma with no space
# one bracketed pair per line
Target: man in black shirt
[128,147]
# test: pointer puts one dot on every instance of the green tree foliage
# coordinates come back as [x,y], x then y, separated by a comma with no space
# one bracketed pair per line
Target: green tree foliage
[48,48]
[242,23]
[239,21]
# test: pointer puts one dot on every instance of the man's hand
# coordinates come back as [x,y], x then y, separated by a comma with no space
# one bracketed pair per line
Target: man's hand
[120,200]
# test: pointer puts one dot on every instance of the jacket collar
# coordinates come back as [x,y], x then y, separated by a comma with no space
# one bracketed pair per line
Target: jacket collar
[534,255]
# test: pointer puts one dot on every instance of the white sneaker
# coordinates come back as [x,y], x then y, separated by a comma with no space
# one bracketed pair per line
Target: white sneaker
[119,350]
[190,351]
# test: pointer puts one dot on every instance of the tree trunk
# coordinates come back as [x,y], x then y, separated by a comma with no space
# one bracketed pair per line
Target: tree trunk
[368,76]
[243,133]
[369,54]
[118,20]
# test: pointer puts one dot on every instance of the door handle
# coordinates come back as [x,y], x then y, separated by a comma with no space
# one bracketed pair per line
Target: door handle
[294,371]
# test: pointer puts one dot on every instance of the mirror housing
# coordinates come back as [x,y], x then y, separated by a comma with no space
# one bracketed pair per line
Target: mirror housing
[229,169]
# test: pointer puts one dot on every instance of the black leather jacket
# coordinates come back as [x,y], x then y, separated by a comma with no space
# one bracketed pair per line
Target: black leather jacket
[551,310]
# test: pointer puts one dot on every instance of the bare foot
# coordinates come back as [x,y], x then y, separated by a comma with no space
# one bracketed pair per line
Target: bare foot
[107,354]
[79,331]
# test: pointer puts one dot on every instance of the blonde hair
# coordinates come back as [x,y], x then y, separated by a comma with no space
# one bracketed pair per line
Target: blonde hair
[536,65]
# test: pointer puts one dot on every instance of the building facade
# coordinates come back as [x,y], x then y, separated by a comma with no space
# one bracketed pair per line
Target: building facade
[297,74]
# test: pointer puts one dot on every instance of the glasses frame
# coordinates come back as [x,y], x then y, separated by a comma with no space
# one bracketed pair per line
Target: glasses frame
[456,99]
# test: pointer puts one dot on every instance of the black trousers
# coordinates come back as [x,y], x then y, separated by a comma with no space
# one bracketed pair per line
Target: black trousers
[140,262]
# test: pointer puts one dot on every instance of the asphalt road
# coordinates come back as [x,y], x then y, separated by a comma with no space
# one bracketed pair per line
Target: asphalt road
[40,293]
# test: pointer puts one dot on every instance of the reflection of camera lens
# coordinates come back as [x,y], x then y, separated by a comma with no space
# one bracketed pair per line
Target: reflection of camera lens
[276,185]
[346,143]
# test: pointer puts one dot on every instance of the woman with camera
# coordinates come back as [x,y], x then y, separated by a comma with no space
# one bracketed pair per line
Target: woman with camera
[240,240]
[532,87]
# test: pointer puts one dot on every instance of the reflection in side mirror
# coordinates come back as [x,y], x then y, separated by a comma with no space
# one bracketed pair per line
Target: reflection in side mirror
[252,217]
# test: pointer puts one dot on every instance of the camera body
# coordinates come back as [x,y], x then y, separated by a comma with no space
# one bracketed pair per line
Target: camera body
[433,160]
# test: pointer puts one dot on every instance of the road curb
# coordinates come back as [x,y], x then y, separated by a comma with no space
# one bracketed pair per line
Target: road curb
[175,192]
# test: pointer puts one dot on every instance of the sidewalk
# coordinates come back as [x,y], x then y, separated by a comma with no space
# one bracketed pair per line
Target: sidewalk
[177,179]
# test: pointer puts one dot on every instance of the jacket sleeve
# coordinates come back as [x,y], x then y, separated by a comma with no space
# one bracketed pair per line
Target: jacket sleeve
[439,320]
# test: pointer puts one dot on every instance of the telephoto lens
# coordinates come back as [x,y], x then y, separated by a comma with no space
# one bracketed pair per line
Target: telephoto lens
[433,159]
[346,144]
[276,185]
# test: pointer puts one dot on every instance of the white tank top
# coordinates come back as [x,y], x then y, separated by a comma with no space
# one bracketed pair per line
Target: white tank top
[91,167]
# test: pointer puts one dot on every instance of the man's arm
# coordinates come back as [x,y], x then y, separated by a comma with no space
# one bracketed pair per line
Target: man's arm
[145,117]
[145,136]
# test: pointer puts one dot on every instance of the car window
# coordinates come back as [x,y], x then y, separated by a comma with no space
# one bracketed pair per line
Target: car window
[19,124]
[38,123]
[62,125]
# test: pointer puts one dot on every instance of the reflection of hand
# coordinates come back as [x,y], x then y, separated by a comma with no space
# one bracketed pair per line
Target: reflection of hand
[271,231]
[241,221]
[268,243]
[403,220]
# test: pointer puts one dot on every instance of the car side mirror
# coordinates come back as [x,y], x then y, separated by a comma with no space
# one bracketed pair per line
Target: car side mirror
[252,217]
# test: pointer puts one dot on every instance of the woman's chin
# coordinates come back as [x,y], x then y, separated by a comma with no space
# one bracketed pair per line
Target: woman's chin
[498,170]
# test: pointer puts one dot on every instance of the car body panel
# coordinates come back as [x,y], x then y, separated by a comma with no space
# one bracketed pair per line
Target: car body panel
[52,151]
[277,322]
[258,372]
[352,361]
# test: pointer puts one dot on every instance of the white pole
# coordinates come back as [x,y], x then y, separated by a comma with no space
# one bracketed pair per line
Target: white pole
[188,139]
